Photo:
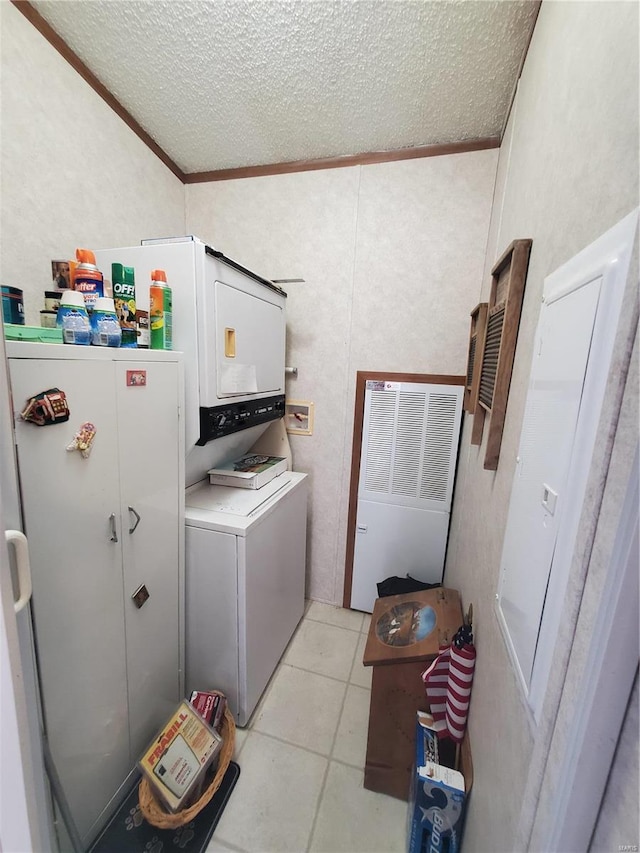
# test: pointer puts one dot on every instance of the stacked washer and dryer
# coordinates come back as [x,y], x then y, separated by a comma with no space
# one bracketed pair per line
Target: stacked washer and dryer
[245,548]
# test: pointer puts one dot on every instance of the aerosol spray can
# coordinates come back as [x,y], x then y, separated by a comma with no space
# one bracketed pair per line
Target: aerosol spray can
[124,297]
[88,278]
[160,311]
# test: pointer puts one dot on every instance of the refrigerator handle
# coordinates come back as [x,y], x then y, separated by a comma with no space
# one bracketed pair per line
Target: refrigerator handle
[19,542]
[132,510]
[112,522]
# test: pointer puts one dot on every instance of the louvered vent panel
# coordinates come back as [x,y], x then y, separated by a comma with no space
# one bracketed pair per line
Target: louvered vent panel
[408,443]
[439,432]
[382,412]
[472,360]
[490,360]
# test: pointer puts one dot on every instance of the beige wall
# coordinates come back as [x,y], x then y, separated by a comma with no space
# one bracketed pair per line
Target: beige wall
[391,256]
[619,811]
[73,174]
[568,171]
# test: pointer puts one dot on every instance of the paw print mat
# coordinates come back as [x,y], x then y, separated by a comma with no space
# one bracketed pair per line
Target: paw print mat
[129,832]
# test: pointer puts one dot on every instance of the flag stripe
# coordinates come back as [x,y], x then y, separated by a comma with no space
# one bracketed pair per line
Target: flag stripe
[461,669]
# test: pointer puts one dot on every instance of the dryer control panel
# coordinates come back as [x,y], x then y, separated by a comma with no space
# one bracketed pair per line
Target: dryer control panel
[218,421]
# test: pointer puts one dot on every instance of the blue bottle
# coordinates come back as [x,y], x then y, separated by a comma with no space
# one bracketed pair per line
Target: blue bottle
[105,328]
[73,319]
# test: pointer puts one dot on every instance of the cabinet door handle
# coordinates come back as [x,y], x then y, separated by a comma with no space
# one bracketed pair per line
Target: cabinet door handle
[132,510]
[112,522]
[19,542]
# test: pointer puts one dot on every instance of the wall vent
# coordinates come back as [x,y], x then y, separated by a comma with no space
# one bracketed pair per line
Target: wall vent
[410,443]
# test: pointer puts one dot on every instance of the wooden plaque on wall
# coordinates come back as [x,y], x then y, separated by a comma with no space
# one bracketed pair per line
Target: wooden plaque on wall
[474,359]
[508,278]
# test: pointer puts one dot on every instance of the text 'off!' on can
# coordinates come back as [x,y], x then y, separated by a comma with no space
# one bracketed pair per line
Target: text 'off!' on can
[12,306]
[160,315]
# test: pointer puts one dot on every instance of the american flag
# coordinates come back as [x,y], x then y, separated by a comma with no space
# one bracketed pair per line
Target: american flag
[448,683]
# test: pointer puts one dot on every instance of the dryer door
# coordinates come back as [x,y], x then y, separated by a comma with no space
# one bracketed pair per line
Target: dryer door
[250,343]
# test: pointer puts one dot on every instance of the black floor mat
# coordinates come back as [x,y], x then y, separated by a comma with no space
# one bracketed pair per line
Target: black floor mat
[129,831]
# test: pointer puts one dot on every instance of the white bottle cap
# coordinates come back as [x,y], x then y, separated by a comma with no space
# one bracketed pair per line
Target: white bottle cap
[104,303]
[72,297]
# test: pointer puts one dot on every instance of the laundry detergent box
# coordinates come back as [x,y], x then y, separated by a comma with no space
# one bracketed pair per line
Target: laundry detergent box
[210,705]
[437,800]
[176,762]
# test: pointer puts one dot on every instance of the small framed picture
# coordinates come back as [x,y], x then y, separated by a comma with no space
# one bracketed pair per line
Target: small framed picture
[136,377]
[298,417]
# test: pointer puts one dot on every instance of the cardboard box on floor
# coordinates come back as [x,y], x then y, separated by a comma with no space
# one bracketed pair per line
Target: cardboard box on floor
[405,635]
[439,793]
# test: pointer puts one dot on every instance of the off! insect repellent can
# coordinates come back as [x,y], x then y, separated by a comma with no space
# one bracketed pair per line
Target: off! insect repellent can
[160,311]
[124,298]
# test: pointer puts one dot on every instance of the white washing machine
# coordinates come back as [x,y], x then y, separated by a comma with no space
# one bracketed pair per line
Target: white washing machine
[245,584]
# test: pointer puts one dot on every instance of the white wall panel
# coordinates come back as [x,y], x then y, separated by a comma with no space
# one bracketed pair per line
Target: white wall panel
[391,257]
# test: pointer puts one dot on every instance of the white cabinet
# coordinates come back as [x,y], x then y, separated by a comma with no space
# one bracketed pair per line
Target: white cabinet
[99,529]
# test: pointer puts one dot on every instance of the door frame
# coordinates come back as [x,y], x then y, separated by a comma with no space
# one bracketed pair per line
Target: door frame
[591,746]
[362,377]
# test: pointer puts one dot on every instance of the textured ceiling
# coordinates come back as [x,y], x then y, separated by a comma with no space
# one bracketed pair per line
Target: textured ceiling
[229,83]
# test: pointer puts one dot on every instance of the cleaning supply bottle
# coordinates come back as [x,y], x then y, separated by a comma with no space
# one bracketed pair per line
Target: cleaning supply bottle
[160,314]
[124,298]
[105,328]
[87,278]
[73,319]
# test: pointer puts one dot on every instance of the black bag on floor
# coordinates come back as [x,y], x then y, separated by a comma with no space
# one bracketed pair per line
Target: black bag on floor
[398,586]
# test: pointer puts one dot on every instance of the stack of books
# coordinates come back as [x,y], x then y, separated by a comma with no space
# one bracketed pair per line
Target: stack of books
[248,472]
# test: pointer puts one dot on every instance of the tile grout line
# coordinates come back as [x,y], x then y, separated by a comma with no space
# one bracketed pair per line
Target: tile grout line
[333,625]
[322,674]
[323,787]
[333,746]
[226,844]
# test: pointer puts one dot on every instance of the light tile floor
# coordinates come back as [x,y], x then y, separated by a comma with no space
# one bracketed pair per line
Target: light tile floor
[302,754]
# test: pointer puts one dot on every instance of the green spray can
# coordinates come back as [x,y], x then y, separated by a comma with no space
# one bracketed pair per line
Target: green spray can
[124,299]
[160,314]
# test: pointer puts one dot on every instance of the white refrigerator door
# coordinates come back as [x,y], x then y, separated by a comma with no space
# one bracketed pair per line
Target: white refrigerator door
[77,579]
[395,541]
[148,451]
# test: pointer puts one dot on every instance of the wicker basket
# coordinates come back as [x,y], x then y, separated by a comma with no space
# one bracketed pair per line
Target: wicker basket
[155,814]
